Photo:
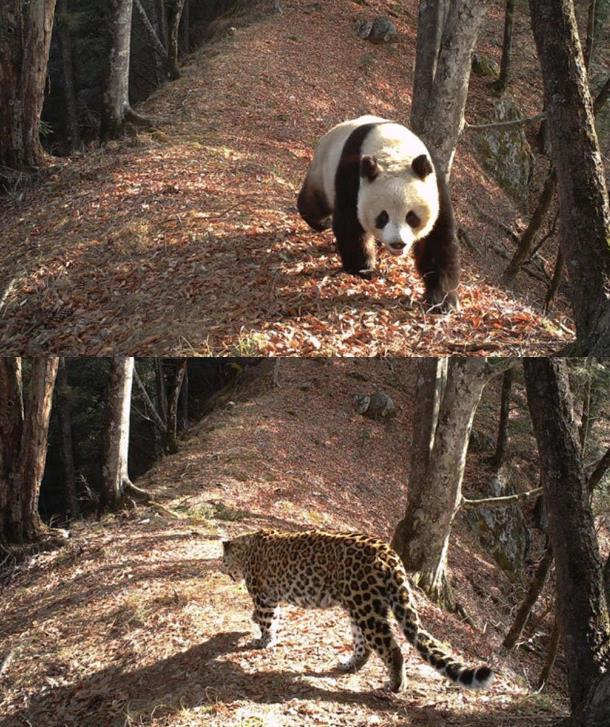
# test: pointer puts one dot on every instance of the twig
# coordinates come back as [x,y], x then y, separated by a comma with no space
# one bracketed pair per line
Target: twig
[503,501]
[501,124]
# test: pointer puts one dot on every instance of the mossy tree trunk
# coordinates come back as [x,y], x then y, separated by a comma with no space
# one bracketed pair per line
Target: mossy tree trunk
[582,611]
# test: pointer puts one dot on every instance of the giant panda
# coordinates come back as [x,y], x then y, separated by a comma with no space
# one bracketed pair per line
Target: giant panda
[374,181]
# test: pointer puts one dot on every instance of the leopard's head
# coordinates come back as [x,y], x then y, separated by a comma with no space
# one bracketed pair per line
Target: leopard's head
[232,559]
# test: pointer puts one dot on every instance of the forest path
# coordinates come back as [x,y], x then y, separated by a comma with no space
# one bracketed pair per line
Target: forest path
[186,240]
[133,624]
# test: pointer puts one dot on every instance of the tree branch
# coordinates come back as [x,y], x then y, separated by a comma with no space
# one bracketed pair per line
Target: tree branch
[156,43]
[148,401]
[503,501]
[502,124]
[599,471]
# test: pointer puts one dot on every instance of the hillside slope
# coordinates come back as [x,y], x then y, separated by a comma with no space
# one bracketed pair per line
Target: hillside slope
[186,240]
[132,624]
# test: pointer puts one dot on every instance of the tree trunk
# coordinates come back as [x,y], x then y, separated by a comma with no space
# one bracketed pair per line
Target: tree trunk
[67,449]
[507,48]
[551,655]
[116,110]
[183,403]
[535,223]
[175,385]
[115,476]
[581,605]
[161,390]
[23,437]
[25,38]
[185,28]
[430,23]
[502,440]
[430,389]
[583,201]
[175,14]
[157,45]
[533,592]
[423,539]
[65,43]
[440,118]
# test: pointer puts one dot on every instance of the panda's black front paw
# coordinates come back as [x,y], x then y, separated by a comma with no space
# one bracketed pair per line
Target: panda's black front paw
[441,301]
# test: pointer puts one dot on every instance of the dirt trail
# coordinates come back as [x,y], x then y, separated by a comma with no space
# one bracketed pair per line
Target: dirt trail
[186,240]
[132,624]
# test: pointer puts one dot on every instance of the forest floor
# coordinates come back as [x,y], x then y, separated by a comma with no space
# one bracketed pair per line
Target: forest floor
[132,623]
[185,239]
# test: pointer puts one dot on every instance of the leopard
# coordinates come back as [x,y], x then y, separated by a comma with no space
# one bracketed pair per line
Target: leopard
[362,574]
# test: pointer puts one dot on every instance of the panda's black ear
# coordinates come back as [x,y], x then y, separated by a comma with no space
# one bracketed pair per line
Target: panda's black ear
[421,166]
[368,167]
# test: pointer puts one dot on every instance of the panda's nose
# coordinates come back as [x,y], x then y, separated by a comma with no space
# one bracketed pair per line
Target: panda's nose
[397,245]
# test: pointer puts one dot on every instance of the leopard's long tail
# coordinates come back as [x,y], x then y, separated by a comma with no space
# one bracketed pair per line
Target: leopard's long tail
[432,650]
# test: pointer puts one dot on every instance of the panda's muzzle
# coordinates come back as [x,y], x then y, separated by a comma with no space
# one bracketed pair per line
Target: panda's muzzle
[398,245]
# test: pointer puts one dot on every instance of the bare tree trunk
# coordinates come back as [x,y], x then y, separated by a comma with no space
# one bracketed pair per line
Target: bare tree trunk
[67,449]
[152,33]
[533,592]
[185,28]
[502,439]
[583,201]
[430,23]
[439,120]
[551,655]
[581,604]
[183,403]
[430,389]
[23,443]
[116,109]
[172,405]
[65,43]
[175,14]
[25,38]
[507,48]
[588,54]
[535,223]
[115,476]
[424,537]
[161,390]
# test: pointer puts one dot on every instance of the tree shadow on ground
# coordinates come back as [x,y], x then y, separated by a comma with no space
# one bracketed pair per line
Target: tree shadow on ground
[202,676]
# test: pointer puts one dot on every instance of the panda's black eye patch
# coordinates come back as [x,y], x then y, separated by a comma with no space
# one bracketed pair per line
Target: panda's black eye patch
[413,220]
[382,220]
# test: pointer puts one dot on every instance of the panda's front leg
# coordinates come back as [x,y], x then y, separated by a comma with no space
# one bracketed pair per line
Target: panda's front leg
[356,248]
[437,261]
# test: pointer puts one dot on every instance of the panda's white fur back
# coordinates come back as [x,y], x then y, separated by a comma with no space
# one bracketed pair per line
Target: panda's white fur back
[392,144]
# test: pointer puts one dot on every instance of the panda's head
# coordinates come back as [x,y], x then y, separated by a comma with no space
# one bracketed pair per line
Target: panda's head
[397,204]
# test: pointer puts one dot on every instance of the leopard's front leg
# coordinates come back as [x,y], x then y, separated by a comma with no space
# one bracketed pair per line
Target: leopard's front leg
[267,615]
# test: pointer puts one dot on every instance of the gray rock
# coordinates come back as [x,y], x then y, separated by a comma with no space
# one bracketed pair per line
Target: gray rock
[484,66]
[502,531]
[505,153]
[378,406]
[378,30]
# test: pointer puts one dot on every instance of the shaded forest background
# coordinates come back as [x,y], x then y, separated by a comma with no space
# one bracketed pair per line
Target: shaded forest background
[82,35]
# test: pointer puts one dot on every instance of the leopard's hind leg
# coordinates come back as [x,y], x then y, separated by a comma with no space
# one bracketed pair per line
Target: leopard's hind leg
[378,636]
[361,652]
